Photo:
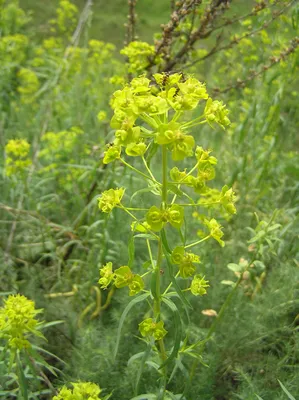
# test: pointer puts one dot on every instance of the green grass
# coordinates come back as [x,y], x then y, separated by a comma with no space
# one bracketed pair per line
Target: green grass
[61,238]
[108,18]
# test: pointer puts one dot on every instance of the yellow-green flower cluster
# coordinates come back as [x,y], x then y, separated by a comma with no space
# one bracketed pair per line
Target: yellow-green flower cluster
[205,172]
[185,261]
[102,115]
[215,230]
[157,217]
[12,17]
[110,199]
[99,52]
[17,321]
[17,159]
[121,277]
[151,104]
[150,328]
[227,199]
[80,391]
[59,145]
[66,18]
[13,49]
[139,54]
[199,285]
[28,84]
[215,111]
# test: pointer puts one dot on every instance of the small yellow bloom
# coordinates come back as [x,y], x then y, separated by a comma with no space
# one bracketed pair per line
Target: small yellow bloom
[110,199]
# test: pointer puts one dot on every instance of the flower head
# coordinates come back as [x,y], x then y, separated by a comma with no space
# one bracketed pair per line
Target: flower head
[17,321]
[123,276]
[185,261]
[106,275]
[157,218]
[215,230]
[215,111]
[111,154]
[80,391]
[150,328]
[199,285]
[110,199]
[227,199]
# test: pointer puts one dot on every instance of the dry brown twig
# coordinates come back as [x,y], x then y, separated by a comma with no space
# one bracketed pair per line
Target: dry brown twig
[294,43]
[236,41]
[131,24]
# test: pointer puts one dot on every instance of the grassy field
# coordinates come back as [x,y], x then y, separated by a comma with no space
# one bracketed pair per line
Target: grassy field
[223,284]
[108,18]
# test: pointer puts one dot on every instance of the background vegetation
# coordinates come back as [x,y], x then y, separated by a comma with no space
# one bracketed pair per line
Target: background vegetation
[57,74]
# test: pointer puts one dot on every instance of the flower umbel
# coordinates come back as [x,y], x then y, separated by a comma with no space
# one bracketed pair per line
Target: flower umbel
[17,321]
[80,391]
[150,328]
[110,199]
[199,285]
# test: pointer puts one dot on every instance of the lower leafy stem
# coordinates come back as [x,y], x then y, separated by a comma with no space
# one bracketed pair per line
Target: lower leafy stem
[157,307]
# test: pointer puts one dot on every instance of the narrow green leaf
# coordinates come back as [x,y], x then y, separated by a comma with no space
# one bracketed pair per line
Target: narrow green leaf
[135,357]
[175,284]
[164,241]
[154,284]
[22,379]
[144,190]
[123,317]
[131,250]
[286,391]
[174,189]
[145,236]
[147,396]
[145,357]
[48,324]
[177,329]
[108,396]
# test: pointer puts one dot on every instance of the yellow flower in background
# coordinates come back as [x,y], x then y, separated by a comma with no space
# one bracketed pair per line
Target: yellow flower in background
[80,391]
[110,199]
[17,159]
[17,321]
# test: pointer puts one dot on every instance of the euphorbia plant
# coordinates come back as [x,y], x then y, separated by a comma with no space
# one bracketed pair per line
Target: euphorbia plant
[151,120]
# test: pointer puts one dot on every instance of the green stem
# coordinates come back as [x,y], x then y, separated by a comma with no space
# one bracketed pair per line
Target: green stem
[148,170]
[136,219]
[164,180]
[149,120]
[195,124]
[157,306]
[176,116]
[138,172]
[169,286]
[136,209]
[199,241]
[194,121]
[182,181]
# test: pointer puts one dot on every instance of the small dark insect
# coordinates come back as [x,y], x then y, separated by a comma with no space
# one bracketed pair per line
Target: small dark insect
[176,92]
[165,78]
[161,271]
[108,145]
